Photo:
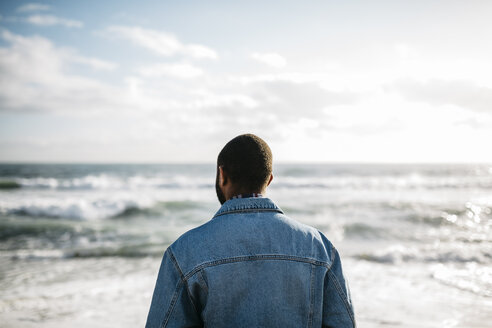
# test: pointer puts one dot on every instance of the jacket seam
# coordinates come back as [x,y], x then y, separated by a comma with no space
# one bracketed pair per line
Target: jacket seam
[246,210]
[262,257]
[311,305]
[171,306]
[175,262]
[181,276]
[202,280]
[176,290]
[189,296]
[342,295]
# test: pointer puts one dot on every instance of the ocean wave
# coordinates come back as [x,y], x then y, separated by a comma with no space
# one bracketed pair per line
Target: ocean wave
[470,277]
[470,216]
[398,254]
[105,182]
[9,184]
[467,215]
[78,209]
[96,209]
[159,208]
[132,250]
[356,182]
[46,229]
[129,251]
[35,239]
[365,231]
[413,181]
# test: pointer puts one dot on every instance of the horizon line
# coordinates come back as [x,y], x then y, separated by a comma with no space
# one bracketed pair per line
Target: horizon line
[213,163]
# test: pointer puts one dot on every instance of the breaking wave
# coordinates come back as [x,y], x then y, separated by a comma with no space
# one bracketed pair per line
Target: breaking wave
[112,182]
[9,184]
[83,209]
[105,182]
[397,254]
[469,277]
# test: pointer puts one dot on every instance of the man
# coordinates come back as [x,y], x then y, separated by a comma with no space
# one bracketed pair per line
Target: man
[250,265]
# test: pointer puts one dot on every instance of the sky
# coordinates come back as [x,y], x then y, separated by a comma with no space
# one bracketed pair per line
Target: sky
[173,81]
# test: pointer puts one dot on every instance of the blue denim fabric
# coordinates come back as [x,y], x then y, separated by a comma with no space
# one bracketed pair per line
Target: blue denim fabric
[251,266]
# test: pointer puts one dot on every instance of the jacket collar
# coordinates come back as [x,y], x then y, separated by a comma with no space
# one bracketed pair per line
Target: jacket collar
[252,204]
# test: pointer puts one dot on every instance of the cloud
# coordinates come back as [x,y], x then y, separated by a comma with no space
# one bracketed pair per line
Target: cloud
[199,51]
[272,103]
[460,93]
[50,20]
[297,99]
[34,78]
[270,59]
[178,70]
[229,101]
[405,51]
[151,106]
[161,43]
[29,7]
[95,63]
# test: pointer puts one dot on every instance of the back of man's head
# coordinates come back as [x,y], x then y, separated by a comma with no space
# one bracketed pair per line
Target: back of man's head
[247,160]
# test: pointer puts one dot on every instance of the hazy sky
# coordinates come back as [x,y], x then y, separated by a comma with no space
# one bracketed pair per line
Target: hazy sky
[172,81]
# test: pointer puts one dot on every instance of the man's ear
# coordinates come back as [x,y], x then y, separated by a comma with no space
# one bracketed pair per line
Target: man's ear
[223,178]
[270,180]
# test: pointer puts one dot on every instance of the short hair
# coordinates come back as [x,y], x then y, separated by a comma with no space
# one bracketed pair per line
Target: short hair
[247,160]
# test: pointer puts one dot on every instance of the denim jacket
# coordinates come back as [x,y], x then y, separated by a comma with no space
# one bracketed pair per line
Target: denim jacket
[251,266]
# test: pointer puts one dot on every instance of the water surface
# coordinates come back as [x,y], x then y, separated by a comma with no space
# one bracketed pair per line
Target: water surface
[79,243]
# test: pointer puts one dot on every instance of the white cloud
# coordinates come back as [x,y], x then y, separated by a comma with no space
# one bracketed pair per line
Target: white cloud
[271,59]
[290,100]
[405,51]
[50,20]
[464,94]
[161,43]
[199,51]
[34,78]
[28,7]
[95,63]
[149,114]
[209,100]
[178,70]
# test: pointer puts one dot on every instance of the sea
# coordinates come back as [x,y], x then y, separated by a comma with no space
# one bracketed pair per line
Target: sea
[81,244]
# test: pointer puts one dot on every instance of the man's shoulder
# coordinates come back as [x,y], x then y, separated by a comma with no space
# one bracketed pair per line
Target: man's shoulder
[249,233]
[193,236]
[322,248]
[236,223]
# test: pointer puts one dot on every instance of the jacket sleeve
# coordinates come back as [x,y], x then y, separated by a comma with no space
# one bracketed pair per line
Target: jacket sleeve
[171,304]
[337,304]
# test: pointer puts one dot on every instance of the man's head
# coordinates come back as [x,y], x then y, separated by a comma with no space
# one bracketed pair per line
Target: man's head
[244,165]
